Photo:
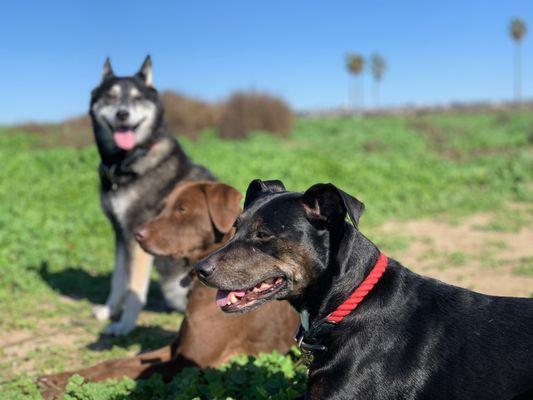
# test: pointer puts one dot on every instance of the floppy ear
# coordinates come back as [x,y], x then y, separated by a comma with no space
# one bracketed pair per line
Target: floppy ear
[223,204]
[145,72]
[107,72]
[326,203]
[257,187]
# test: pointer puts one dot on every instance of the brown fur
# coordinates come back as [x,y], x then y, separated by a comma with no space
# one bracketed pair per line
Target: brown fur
[208,337]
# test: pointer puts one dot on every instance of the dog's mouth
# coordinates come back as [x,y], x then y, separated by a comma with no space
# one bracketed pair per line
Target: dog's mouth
[124,135]
[242,300]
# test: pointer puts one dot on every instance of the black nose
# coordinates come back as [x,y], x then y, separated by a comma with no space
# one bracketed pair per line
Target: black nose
[204,269]
[122,115]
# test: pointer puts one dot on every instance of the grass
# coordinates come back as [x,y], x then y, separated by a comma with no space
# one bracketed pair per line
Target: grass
[56,245]
[525,267]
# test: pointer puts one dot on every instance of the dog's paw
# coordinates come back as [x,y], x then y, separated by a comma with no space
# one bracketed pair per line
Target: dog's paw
[102,312]
[120,328]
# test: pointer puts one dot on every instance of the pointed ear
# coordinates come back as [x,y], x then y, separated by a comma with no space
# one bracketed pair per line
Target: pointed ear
[327,204]
[107,72]
[257,187]
[145,72]
[223,203]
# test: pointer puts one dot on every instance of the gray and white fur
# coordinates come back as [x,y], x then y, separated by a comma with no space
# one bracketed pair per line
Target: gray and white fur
[134,183]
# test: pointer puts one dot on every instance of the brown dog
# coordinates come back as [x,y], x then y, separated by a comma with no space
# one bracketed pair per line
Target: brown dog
[197,219]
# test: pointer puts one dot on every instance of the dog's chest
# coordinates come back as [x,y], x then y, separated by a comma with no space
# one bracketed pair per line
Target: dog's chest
[121,201]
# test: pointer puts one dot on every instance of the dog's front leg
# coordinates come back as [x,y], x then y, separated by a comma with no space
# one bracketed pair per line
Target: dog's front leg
[119,281]
[138,279]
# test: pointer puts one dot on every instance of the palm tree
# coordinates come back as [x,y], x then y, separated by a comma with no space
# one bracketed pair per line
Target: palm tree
[518,30]
[378,65]
[355,64]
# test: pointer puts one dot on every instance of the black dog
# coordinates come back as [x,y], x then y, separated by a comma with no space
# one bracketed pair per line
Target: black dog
[410,337]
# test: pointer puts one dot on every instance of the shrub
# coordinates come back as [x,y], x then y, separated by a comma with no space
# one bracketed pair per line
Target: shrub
[73,132]
[188,116]
[246,112]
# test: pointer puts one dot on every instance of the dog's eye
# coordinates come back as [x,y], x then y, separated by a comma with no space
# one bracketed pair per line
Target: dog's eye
[263,235]
[111,96]
[136,97]
[182,209]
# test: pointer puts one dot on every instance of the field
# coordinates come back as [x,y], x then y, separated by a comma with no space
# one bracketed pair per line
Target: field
[449,195]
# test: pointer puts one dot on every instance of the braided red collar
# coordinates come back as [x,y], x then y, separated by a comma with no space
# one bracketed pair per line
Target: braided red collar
[360,292]
[303,336]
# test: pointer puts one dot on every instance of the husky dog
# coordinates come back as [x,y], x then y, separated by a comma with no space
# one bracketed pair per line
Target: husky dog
[140,164]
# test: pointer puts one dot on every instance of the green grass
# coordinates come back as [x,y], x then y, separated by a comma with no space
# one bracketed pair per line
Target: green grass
[56,245]
[525,267]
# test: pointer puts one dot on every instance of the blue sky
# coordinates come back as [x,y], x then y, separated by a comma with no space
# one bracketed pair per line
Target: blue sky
[52,52]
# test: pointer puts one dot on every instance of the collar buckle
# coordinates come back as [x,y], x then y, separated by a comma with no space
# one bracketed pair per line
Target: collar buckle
[303,345]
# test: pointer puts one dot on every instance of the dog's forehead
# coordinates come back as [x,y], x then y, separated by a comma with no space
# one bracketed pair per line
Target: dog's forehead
[272,207]
[127,87]
[124,86]
[187,190]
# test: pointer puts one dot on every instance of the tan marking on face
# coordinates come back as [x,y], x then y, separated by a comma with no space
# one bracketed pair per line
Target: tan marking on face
[134,92]
[297,265]
[243,265]
[115,90]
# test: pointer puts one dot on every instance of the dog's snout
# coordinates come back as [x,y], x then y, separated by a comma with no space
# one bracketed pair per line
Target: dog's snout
[205,269]
[122,115]
[141,233]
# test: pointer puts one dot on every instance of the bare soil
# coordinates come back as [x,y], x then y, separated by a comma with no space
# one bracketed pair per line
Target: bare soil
[468,254]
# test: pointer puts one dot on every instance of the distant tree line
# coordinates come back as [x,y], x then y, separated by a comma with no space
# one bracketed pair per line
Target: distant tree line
[356,65]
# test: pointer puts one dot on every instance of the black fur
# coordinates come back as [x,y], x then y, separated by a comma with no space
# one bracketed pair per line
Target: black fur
[412,337]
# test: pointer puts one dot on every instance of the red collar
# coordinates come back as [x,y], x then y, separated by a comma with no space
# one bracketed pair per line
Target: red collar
[360,292]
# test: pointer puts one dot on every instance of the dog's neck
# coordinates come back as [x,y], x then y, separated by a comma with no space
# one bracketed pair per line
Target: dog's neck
[351,257]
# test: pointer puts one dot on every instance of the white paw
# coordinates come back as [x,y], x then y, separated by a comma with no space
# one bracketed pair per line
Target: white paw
[119,328]
[102,312]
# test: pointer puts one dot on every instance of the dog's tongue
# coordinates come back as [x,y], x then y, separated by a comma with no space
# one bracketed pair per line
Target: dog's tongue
[124,139]
[224,295]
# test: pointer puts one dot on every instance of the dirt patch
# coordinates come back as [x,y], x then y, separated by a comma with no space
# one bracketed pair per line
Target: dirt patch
[467,254]
[20,349]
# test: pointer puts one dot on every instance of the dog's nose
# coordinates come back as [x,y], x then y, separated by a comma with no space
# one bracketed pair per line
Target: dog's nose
[122,115]
[204,269]
[141,234]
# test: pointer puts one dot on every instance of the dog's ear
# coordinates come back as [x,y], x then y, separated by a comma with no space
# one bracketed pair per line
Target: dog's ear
[326,204]
[107,72]
[145,72]
[257,187]
[223,204]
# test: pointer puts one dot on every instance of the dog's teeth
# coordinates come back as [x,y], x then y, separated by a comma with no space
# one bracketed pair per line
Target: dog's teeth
[232,298]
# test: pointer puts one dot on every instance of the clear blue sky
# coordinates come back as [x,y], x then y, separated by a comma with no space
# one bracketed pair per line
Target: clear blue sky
[52,52]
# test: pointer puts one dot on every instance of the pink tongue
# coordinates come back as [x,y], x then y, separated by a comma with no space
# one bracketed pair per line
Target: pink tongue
[223,296]
[125,140]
